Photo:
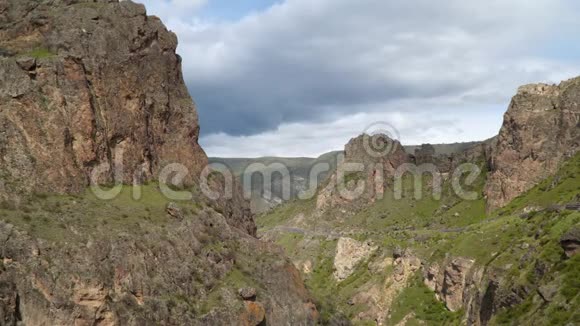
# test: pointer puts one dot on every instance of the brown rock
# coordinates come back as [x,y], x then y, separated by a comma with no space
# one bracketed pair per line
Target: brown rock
[9,301]
[247,293]
[379,155]
[108,92]
[454,282]
[431,277]
[93,102]
[254,314]
[313,314]
[26,63]
[174,210]
[541,129]
[349,253]
[570,242]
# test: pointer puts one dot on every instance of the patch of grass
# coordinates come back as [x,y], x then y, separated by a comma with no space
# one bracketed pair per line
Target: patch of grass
[571,278]
[560,188]
[41,53]
[418,299]
[284,213]
[289,242]
[45,215]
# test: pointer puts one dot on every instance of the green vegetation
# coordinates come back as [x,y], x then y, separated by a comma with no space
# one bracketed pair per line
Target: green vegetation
[418,300]
[283,213]
[519,242]
[51,217]
[41,53]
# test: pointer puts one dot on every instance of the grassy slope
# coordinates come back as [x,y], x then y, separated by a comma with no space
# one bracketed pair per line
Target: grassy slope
[461,229]
[50,217]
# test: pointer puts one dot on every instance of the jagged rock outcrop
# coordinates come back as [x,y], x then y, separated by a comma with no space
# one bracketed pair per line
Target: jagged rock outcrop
[379,157]
[90,82]
[164,277]
[454,281]
[449,283]
[379,298]
[349,253]
[426,154]
[541,130]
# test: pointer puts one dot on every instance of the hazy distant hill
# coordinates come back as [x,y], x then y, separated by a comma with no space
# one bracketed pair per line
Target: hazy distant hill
[299,168]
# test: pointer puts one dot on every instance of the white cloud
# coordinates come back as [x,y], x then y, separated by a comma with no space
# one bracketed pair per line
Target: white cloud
[188,4]
[312,139]
[312,64]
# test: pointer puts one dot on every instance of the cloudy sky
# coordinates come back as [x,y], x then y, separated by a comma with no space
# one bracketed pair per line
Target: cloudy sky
[301,77]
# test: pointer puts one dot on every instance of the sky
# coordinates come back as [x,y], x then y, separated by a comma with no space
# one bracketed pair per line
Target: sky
[302,77]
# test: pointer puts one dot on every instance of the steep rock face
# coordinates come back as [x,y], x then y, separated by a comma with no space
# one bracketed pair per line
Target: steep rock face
[87,84]
[349,253]
[90,83]
[450,282]
[541,129]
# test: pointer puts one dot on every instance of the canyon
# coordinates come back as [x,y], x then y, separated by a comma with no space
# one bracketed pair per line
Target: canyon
[92,95]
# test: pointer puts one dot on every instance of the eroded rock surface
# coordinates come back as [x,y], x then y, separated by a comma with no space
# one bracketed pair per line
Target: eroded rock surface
[369,158]
[541,130]
[163,276]
[349,253]
[105,87]
[449,283]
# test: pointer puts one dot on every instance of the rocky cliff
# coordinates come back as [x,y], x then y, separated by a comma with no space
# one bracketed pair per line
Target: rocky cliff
[97,84]
[85,83]
[541,129]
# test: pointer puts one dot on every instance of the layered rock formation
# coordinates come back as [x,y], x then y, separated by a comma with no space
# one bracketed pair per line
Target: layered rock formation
[541,129]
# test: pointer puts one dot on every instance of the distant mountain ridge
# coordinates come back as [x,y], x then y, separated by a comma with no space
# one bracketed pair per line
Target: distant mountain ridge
[299,168]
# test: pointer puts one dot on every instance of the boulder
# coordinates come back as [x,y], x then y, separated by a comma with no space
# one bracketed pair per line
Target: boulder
[247,293]
[570,241]
[174,210]
[26,63]
[254,314]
